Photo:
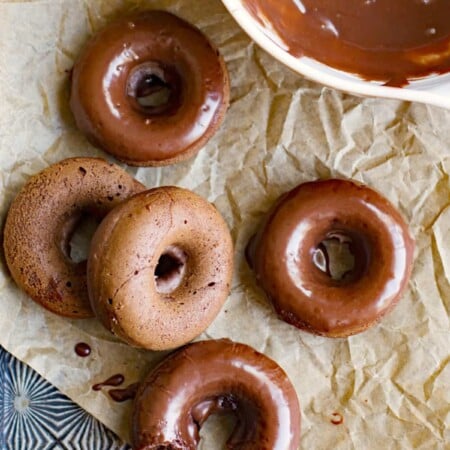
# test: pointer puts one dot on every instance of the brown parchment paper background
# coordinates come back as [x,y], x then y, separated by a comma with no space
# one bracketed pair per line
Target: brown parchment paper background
[392,383]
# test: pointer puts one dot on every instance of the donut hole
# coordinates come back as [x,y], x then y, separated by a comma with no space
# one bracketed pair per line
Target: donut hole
[152,92]
[217,429]
[154,89]
[79,238]
[170,270]
[341,256]
[223,419]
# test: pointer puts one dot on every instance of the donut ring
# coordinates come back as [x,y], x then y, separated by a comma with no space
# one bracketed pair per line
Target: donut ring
[211,377]
[42,219]
[282,257]
[160,268]
[117,77]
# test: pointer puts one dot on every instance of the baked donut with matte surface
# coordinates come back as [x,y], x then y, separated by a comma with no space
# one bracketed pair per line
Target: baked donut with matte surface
[285,256]
[213,377]
[41,222]
[150,89]
[160,268]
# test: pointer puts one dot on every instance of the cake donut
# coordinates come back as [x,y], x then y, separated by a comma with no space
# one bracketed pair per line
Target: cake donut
[284,256]
[150,89]
[211,377]
[42,219]
[160,268]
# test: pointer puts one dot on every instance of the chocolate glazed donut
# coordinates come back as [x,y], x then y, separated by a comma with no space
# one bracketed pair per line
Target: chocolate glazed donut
[283,253]
[150,89]
[160,268]
[212,377]
[42,219]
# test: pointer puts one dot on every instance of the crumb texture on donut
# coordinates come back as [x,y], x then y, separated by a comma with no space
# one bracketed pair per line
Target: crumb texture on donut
[150,89]
[42,219]
[160,268]
[282,255]
[216,377]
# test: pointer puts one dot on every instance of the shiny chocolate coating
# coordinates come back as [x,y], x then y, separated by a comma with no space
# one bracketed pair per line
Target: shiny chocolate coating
[388,40]
[212,377]
[151,53]
[282,257]
[42,220]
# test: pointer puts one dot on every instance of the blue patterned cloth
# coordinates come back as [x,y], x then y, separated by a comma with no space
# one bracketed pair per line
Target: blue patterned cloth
[34,415]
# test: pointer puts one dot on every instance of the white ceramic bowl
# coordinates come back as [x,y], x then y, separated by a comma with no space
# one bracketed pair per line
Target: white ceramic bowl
[433,90]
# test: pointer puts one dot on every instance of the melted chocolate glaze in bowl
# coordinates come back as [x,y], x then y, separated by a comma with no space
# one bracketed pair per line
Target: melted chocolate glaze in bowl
[384,40]
[322,41]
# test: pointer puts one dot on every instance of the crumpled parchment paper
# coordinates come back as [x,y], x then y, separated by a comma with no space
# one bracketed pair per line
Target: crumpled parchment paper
[391,384]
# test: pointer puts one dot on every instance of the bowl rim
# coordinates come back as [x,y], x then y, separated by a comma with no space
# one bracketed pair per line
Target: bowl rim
[303,66]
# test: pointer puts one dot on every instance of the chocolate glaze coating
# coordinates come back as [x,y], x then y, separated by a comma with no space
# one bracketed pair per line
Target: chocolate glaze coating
[281,255]
[140,297]
[386,40]
[134,57]
[41,221]
[212,377]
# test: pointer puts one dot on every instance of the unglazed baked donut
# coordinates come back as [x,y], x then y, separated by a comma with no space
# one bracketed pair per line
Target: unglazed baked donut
[42,219]
[150,89]
[211,377]
[283,252]
[160,268]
